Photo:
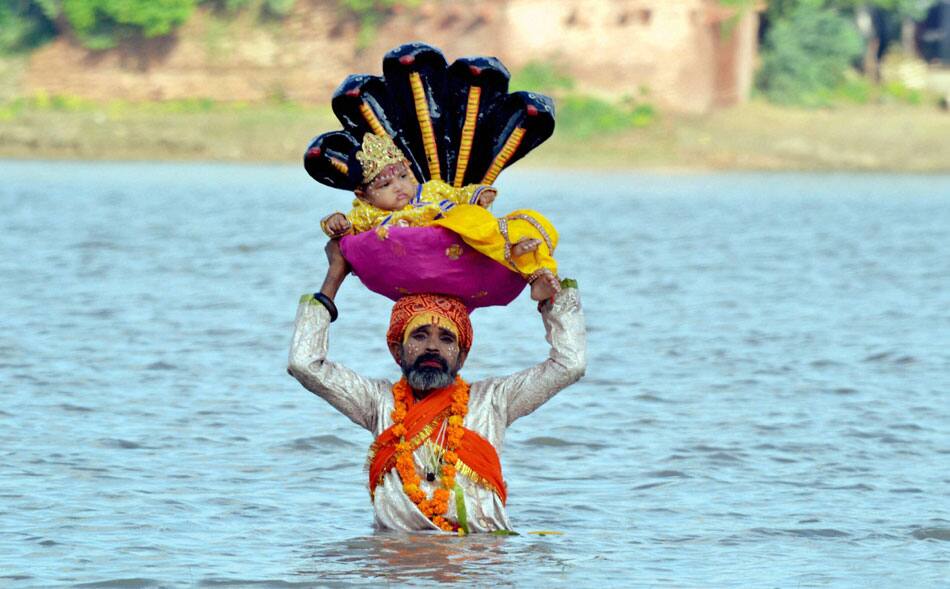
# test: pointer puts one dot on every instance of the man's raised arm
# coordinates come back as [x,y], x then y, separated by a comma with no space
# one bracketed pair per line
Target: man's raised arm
[527,390]
[347,391]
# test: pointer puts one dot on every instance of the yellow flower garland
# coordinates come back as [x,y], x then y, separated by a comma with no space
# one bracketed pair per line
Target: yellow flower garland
[435,507]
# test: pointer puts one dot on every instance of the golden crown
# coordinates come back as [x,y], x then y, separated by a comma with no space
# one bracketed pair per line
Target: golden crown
[378,151]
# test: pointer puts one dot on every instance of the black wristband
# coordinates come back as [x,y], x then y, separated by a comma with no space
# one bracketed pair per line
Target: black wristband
[327,302]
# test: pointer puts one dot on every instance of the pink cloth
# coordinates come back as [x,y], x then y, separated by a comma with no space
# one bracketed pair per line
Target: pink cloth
[413,260]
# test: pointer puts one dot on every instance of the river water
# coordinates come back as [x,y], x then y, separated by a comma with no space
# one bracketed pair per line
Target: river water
[766,403]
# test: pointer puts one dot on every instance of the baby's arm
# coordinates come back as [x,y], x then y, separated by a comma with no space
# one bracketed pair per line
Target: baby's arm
[336,225]
[476,194]
[486,196]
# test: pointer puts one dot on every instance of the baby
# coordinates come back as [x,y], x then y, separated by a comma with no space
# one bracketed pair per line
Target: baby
[390,196]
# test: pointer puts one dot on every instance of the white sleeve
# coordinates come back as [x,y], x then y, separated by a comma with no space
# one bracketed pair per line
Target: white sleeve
[352,395]
[525,391]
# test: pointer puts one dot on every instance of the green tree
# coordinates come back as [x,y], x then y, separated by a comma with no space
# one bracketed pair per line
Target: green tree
[25,24]
[807,53]
[907,11]
[100,24]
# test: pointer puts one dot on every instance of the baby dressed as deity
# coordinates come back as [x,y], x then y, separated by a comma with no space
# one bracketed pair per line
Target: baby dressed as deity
[390,196]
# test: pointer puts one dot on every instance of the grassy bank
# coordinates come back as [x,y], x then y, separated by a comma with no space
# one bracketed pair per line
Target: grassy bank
[757,136]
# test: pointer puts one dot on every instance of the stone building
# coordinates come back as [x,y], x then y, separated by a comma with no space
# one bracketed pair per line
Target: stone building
[689,55]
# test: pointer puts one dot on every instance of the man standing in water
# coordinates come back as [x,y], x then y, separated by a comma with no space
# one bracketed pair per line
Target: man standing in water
[434,464]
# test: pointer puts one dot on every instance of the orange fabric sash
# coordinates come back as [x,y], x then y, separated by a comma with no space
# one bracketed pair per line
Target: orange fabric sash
[478,459]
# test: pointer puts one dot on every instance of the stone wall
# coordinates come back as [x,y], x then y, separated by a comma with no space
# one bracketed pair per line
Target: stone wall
[620,46]
[672,48]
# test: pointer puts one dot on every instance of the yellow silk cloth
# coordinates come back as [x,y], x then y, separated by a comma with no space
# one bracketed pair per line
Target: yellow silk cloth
[482,231]
[433,200]
[439,203]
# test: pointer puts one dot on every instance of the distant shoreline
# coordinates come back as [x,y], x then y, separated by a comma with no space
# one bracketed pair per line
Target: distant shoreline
[754,137]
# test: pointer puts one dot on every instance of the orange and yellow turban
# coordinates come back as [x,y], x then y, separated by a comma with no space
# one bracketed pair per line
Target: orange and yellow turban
[411,311]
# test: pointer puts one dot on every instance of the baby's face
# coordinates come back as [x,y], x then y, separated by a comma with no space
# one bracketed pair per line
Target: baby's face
[392,189]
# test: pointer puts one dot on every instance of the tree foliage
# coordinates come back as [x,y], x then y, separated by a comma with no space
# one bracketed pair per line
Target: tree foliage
[25,24]
[807,53]
[100,24]
[875,20]
[912,9]
[277,8]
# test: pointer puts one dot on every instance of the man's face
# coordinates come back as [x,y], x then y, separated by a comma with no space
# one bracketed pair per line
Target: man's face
[392,190]
[430,357]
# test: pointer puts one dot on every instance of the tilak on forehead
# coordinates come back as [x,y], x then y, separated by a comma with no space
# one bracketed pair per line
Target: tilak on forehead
[412,311]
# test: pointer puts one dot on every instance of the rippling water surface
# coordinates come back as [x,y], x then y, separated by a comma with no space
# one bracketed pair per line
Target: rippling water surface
[766,403]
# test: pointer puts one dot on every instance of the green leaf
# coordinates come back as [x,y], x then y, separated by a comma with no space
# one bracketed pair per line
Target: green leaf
[460,510]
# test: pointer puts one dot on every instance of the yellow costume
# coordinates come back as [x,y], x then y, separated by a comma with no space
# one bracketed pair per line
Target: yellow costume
[494,237]
[431,201]
[437,203]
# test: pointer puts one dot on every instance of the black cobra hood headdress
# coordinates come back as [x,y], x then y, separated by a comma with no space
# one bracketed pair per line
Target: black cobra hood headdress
[454,123]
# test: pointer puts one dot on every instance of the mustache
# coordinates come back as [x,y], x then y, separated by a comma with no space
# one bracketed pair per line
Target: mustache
[417,365]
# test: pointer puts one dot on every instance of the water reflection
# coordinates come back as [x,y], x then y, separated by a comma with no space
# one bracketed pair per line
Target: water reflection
[402,558]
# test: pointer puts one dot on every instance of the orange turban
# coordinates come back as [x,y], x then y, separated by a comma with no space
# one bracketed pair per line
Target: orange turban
[430,308]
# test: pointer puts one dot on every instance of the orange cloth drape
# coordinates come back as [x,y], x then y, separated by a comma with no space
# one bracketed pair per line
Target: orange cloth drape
[422,422]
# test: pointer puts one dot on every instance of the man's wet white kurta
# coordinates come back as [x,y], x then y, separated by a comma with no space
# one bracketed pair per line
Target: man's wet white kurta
[494,404]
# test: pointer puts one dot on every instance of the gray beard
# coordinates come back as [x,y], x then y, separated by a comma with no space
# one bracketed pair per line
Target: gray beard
[426,379]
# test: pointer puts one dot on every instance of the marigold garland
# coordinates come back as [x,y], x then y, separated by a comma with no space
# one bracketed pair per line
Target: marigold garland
[435,507]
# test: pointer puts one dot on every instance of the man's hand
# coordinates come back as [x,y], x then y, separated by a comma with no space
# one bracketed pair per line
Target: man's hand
[335,225]
[487,196]
[337,268]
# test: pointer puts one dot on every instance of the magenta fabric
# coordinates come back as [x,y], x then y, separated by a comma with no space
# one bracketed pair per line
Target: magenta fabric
[412,260]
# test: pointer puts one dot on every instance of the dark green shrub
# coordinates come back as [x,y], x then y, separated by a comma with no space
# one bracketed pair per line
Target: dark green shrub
[274,8]
[100,24]
[25,24]
[586,116]
[581,115]
[853,88]
[539,76]
[278,7]
[806,55]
